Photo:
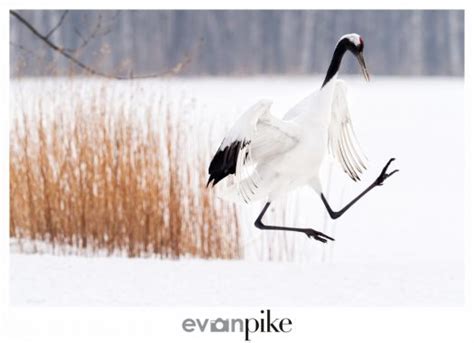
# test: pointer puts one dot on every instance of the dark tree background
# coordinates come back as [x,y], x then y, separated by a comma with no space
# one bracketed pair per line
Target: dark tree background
[242,42]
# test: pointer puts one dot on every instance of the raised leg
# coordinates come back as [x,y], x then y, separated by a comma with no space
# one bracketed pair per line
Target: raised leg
[309,232]
[378,182]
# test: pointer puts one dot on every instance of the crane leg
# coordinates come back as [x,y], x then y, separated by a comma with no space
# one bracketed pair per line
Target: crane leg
[319,236]
[378,182]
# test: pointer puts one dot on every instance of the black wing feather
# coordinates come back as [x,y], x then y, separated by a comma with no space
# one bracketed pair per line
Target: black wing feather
[224,162]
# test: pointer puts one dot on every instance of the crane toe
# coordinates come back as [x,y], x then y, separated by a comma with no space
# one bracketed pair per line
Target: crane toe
[384,175]
[319,236]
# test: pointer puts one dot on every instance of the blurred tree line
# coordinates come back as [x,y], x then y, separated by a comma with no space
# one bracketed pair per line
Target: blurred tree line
[238,42]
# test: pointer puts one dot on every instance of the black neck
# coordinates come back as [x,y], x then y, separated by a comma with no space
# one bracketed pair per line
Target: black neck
[339,52]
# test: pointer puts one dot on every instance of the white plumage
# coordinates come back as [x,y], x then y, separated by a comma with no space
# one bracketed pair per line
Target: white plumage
[263,157]
[342,143]
[281,154]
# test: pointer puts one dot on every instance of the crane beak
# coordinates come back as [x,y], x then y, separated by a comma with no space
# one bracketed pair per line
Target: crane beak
[360,58]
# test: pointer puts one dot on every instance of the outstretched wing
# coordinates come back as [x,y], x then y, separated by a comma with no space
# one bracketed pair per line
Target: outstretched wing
[343,144]
[256,137]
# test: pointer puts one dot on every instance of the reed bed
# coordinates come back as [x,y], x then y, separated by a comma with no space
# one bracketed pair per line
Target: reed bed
[99,170]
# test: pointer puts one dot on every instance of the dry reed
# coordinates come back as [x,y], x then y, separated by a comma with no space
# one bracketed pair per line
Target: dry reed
[95,175]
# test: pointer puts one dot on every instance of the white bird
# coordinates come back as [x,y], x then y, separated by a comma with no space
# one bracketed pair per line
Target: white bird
[263,157]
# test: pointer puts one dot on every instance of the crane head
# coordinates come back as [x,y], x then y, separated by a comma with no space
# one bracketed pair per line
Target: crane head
[355,44]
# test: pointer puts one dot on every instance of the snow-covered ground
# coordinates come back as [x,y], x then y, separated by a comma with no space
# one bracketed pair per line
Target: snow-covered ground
[100,281]
[401,245]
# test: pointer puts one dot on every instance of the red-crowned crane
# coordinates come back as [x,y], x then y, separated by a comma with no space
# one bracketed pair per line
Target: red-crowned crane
[263,157]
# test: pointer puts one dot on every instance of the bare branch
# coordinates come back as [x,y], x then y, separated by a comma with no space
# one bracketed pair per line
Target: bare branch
[94,33]
[21,47]
[57,48]
[178,67]
[78,34]
[58,24]
[67,54]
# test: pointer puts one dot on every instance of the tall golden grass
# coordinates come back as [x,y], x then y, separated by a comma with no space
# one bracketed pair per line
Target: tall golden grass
[94,174]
